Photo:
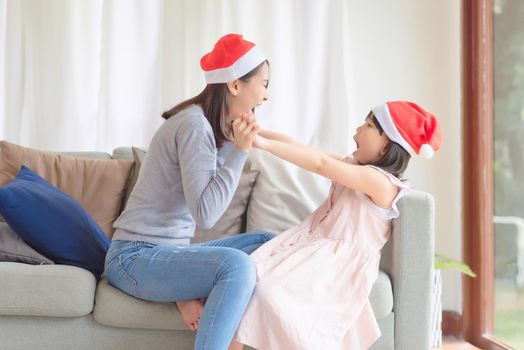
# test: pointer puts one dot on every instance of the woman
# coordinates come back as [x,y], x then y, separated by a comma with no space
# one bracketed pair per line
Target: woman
[188,177]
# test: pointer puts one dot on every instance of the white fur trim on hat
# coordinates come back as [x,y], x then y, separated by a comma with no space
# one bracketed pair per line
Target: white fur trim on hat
[241,67]
[383,116]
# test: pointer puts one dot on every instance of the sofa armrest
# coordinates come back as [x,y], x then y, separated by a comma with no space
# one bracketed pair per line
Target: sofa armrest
[408,259]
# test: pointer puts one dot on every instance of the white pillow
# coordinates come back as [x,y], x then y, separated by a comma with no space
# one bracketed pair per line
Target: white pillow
[284,194]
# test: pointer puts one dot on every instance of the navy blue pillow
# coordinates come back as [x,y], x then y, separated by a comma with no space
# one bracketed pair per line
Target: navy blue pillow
[53,223]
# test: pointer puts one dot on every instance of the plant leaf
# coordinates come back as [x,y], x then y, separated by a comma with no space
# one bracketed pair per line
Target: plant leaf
[445,262]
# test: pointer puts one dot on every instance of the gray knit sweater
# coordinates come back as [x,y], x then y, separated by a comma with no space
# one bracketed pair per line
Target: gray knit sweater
[183,180]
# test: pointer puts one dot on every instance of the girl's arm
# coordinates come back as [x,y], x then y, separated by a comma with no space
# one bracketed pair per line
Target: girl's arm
[361,178]
[273,135]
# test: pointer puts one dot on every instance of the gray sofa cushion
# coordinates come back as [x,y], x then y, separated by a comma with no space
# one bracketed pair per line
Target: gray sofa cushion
[45,290]
[387,334]
[115,308]
[381,296]
[14,249]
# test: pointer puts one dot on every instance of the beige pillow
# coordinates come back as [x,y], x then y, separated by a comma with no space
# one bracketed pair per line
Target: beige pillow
[138,157]
[97,184]
[13,248]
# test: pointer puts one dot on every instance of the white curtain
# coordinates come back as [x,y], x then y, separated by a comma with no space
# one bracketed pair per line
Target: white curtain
[95,75]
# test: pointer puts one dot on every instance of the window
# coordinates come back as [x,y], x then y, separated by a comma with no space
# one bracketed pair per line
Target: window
[493,127]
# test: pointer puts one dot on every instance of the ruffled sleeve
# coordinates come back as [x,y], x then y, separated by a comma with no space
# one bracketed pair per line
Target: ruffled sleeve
[389,213]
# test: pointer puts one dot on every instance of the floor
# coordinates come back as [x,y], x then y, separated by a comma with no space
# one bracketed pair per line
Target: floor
[450,343]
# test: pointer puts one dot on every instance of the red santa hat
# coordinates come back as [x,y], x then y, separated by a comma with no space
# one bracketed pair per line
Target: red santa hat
[409,125]
[231,58]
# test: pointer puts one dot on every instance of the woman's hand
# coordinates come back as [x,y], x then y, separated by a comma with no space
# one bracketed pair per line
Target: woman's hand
[247,116]
[245,128]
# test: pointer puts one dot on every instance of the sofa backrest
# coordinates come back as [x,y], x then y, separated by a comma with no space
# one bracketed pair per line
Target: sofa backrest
[93,155]
[408,259]
[123,153]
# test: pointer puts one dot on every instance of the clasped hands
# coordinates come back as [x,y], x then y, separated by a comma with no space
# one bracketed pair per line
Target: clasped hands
[245,132]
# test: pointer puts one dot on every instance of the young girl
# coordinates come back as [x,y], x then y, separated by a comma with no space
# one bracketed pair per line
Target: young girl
[313,280]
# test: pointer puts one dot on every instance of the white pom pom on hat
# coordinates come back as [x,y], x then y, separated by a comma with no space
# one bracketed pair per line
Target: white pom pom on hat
[426,151]
[231,58]
[409,125]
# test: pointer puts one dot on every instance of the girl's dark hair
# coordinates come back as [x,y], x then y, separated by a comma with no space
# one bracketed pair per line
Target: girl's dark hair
[396,159]
[213,100]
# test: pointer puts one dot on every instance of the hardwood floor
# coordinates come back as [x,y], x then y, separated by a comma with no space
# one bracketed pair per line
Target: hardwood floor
[450,343]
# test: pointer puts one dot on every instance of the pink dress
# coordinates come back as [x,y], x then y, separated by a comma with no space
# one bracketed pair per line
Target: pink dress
[313,280]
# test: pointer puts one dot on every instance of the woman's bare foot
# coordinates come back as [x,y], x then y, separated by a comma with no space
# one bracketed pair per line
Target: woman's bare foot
[191,311]
[235,345]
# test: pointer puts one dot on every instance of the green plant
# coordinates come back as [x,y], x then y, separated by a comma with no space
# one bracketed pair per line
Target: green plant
[443,262]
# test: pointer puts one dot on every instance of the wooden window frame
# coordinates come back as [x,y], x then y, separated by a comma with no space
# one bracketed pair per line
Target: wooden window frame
[477,133]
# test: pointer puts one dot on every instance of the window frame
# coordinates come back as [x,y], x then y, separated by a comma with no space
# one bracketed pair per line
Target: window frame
[477,133]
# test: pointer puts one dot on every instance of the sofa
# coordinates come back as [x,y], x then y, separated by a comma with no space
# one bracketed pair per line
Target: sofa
[53,306]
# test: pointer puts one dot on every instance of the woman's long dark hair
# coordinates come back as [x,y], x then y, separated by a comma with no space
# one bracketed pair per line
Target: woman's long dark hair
[396,159]
[214,100]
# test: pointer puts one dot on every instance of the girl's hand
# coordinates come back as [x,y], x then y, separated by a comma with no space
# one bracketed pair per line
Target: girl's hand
[191,311]
[245,129]
[351,160]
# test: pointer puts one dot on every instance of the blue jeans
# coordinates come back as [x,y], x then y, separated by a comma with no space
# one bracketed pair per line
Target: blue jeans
[220,270]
